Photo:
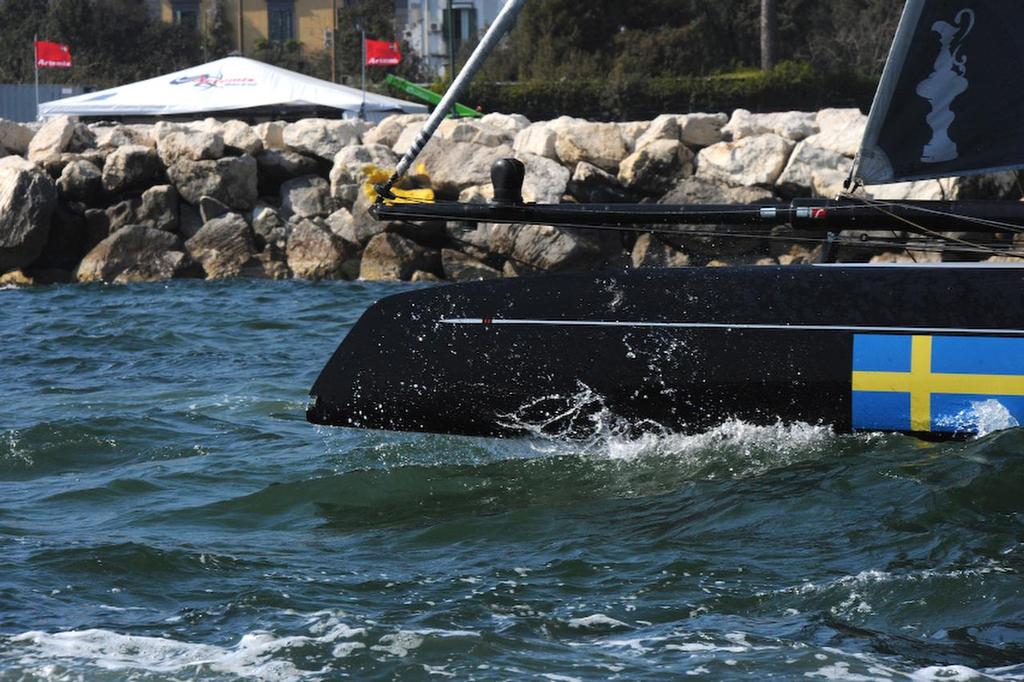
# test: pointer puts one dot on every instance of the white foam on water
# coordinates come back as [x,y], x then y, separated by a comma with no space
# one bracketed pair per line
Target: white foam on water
[947,673]
[873,577]
[876,670]
[254,656]
[554,677]
[982,418]
[750,448]
[597,621]
[250,657]
[398,644]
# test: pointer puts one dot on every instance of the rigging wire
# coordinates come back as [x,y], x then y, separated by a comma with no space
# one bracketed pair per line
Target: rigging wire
[946,242]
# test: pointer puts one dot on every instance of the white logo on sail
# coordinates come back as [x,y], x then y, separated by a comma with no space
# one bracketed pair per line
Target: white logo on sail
[947,81]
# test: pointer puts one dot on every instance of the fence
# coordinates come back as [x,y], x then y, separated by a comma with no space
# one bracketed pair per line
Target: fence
[18,102]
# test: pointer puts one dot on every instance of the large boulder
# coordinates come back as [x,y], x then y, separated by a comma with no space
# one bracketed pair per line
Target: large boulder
[277,166]
[121,135]
[656,166]
[546,248]
[231,180]
[130,168]
[793,125]
[391,256]
[698,190]
[82,139]
[811,167]
[632,131]
[14,137]
[271,134]
[460,267]
[240,138]
[598,143]
[664,127]
[52,138]
[136,253]
[305,198]
[512,123]
[390,129]
[546,180]
[537,139]
[757,160]
[81,181]
[453,167]
[591,185]
[323,137]
[158,208]
[407,137]
[120,215]
[352,166]
[841,130]
[652,252]
[359,226]
[471,130]
[269,227]
[315,252]
[224,246]
[271,263]
[476,240]
[189,145]
[701,130]
[28,199]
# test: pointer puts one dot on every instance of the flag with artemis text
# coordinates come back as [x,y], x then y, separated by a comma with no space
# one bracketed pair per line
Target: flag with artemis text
[52,55]
[382,53]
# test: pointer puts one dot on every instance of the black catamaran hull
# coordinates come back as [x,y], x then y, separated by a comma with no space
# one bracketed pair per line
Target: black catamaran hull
[911,349]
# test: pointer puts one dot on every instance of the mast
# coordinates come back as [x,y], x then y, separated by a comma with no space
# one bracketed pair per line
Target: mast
[502,25]
[870,157]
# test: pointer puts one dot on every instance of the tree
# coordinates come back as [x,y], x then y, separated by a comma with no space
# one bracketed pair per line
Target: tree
[20,21]
[769,34]
[218,33]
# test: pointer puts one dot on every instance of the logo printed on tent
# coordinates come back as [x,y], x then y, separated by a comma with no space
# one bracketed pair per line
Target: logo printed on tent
[206,81]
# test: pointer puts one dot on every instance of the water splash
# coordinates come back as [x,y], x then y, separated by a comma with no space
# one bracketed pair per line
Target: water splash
[982,418]
[588,427]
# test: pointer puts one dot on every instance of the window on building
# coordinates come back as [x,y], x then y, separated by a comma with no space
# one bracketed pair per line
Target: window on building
[186,13]
[280,20]
[465,27]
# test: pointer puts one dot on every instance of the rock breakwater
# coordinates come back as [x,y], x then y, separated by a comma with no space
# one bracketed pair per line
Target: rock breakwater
[121,203]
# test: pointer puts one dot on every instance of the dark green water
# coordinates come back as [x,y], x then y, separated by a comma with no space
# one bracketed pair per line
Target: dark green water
[166,513]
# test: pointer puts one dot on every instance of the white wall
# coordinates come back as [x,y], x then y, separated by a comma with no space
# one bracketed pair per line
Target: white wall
[424,27]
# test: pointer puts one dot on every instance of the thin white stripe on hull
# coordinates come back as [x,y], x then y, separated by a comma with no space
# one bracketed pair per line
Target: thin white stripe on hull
[720,325]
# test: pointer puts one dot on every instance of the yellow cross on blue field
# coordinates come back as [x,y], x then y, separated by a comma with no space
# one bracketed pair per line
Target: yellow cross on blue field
[933,383]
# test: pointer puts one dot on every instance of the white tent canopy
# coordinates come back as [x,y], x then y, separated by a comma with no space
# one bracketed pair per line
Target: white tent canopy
[233,84]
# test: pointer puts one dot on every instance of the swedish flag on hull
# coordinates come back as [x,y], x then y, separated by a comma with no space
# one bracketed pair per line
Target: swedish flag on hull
[934,383]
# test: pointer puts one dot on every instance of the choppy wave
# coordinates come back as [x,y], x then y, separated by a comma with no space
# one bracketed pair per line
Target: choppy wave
[166,513]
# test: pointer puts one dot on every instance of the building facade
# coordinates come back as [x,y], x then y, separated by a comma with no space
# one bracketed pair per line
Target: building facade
[279,21]
[424,26]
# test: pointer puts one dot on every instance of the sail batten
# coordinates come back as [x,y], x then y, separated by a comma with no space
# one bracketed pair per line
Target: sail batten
[951,98]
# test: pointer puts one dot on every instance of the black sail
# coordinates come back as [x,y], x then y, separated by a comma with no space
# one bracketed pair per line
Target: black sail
[951,99]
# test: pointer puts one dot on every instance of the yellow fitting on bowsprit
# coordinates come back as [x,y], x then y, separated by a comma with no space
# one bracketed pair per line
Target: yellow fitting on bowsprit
[376,175]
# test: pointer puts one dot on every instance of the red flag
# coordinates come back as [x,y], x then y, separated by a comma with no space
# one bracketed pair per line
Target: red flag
[52,55]
[382,53]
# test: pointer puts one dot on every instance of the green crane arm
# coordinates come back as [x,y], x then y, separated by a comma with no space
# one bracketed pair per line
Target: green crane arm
[426,95]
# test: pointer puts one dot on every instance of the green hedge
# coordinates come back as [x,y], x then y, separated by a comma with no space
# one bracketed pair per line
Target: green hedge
[787,87]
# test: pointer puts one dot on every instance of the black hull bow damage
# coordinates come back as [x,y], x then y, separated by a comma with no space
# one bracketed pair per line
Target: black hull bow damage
[919,349]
